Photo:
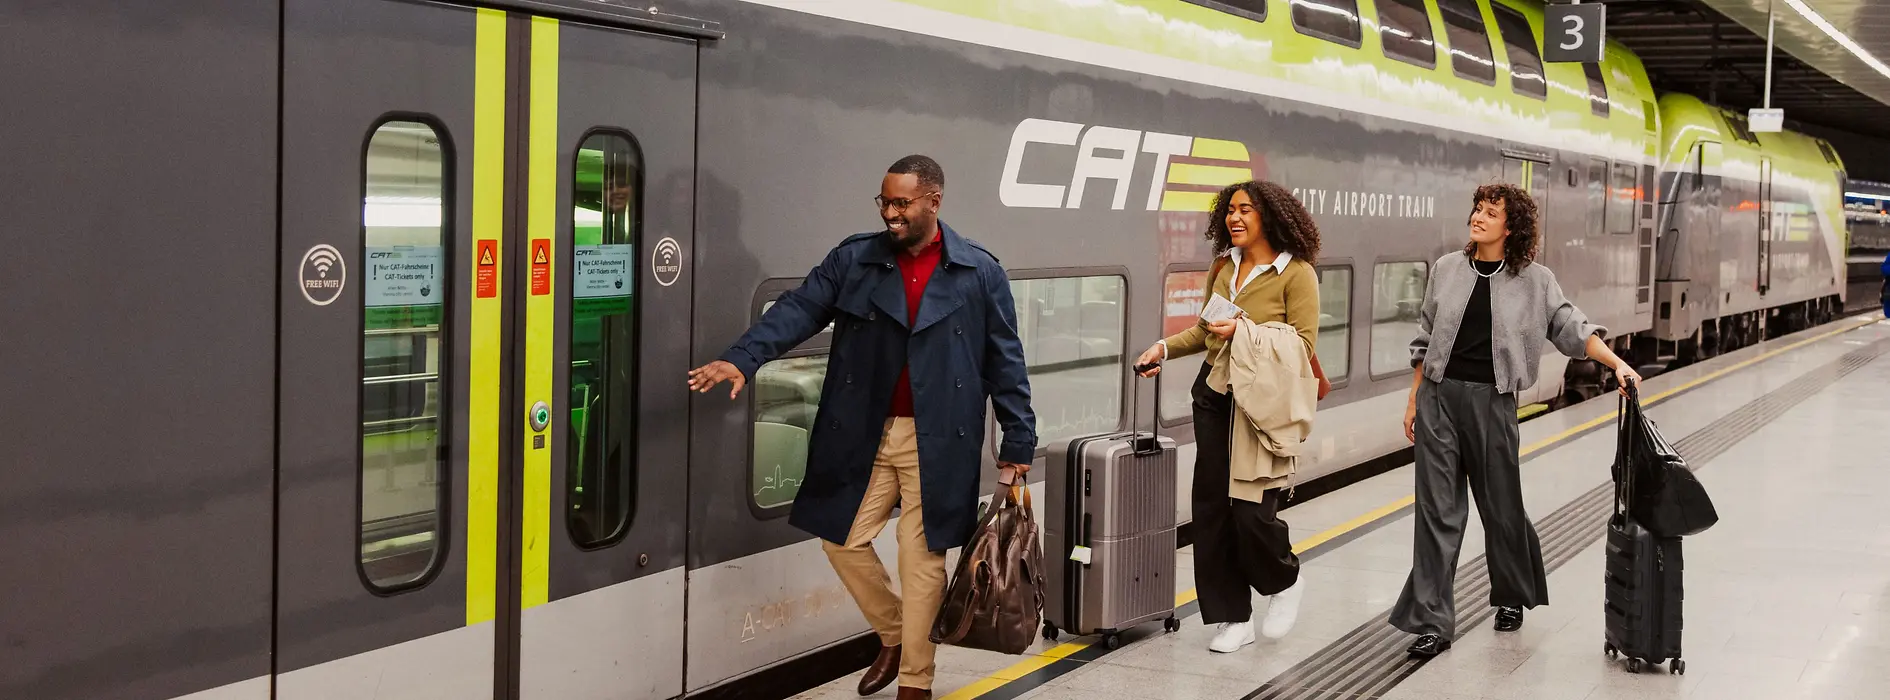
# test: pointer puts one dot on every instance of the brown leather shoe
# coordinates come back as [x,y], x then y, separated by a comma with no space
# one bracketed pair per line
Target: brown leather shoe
[882,672]
[906,693]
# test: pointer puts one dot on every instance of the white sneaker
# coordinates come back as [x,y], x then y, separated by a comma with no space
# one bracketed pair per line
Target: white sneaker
[1232,637]
[1283,611]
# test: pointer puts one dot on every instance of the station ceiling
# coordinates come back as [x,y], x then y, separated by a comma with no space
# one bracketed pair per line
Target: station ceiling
[1715,49]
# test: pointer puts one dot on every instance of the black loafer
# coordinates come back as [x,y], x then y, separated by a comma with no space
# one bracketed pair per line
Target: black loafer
[1508,619]
[1429,645]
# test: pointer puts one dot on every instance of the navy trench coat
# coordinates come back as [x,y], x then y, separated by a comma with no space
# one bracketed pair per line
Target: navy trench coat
[963,350]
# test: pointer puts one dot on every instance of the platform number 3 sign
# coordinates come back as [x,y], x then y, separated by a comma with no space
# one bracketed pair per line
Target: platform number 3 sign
[1574,33]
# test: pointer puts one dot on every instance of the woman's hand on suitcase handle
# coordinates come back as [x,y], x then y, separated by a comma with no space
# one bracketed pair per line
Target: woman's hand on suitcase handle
[1152,359]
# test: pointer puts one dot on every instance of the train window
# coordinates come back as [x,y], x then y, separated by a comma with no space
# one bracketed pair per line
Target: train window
[1255,10]
[1333,20]
[403,349]
[1741,129]
[1830,156]
[1183,294]
[1335,322]
[1525,59]
[1470,55]
[1597,90]
[1404,26]
[787,397]
[1071,329]
[600,452]
[1397,298]
[1623,196]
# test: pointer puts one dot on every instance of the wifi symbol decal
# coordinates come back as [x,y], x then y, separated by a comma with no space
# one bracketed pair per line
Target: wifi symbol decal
[666,261]
[323,275]
[323,257]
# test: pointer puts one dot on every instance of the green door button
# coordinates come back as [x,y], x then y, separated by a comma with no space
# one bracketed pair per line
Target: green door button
[541,416]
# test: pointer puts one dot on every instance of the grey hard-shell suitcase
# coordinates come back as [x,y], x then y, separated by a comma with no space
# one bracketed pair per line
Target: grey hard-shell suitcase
[1109,535]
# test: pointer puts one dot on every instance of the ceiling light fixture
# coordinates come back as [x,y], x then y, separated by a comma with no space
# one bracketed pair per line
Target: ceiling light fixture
[1842,40]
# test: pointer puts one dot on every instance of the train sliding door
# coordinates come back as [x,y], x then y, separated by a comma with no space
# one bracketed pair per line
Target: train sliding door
[608,210]
[485,218]
[392,143]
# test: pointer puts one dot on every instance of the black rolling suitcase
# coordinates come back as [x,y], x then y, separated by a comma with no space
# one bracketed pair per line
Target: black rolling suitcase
[1109,535]
[1643,613]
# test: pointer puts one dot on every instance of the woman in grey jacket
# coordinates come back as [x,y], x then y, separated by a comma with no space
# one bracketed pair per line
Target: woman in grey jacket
[1486,312]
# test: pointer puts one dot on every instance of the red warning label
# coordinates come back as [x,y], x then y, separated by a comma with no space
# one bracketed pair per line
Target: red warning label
[541,266]
[486,274]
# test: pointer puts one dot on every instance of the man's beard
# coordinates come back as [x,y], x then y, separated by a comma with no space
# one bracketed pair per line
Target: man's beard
[905,232]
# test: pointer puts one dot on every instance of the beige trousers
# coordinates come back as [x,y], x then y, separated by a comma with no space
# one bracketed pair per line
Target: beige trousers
[906,623]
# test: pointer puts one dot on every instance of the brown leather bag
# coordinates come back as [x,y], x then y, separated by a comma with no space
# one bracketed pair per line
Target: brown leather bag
[995,599]
[1325,387]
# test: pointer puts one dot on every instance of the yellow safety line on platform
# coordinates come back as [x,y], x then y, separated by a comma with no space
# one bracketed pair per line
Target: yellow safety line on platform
[1059,652]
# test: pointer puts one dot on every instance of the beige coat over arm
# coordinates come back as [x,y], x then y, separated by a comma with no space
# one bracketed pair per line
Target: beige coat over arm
[1270,376]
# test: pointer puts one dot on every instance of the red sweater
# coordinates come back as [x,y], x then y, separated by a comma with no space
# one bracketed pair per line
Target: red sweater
[915,271]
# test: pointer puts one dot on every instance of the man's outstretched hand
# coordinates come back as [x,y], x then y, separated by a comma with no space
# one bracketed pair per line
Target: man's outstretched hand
[704,378]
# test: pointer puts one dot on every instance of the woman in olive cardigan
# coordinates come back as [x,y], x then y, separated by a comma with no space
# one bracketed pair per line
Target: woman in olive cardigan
[1486,312]
[1265,243]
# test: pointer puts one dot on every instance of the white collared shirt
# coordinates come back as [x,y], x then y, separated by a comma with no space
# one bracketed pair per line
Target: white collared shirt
[1278,266]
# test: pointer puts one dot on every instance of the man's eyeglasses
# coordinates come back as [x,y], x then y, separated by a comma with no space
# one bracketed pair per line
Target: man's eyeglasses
[900,204]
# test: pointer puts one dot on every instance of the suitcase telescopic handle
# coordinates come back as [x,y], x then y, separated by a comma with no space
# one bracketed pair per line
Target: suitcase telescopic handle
[1139,444]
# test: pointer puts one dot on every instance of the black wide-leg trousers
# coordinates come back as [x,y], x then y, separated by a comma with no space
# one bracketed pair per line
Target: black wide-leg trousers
[1466,432]
[1238,544]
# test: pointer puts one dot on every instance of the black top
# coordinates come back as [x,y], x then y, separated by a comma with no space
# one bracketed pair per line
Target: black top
[1470,359]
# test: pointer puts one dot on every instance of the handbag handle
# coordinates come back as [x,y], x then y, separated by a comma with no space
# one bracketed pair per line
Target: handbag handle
[1629,417]
[965,619]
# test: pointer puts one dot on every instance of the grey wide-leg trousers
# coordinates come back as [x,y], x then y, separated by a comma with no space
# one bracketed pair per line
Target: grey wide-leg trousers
[1467,432]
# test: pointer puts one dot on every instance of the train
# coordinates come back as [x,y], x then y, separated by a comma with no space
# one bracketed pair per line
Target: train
[348,338]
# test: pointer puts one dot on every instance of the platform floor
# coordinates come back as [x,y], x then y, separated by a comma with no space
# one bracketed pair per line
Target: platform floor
[1787,597]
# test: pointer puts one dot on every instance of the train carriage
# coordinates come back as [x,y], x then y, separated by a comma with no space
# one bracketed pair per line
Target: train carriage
[374,383]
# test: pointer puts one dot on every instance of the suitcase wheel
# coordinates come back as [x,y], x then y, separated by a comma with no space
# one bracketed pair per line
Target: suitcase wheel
[1049,631]
[1112,640]
[1608,648]
[1172,624]
[1678,668]
[1633,665]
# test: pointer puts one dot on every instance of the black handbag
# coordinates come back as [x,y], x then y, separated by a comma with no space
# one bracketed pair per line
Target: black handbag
[1661,493]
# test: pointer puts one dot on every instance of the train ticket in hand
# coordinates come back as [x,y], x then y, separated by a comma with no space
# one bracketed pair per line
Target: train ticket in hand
[1219,309]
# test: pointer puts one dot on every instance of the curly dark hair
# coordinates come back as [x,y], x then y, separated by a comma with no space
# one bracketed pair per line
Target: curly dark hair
[1284,221]
[1519,212]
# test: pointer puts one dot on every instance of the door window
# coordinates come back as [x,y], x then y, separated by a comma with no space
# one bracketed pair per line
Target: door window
[600,457]
[403,348]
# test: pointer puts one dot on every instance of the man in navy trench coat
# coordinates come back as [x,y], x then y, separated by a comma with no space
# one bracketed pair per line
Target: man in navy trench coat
[925,331]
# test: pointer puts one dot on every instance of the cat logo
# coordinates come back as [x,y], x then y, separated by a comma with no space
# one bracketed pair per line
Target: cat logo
[1188,172]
